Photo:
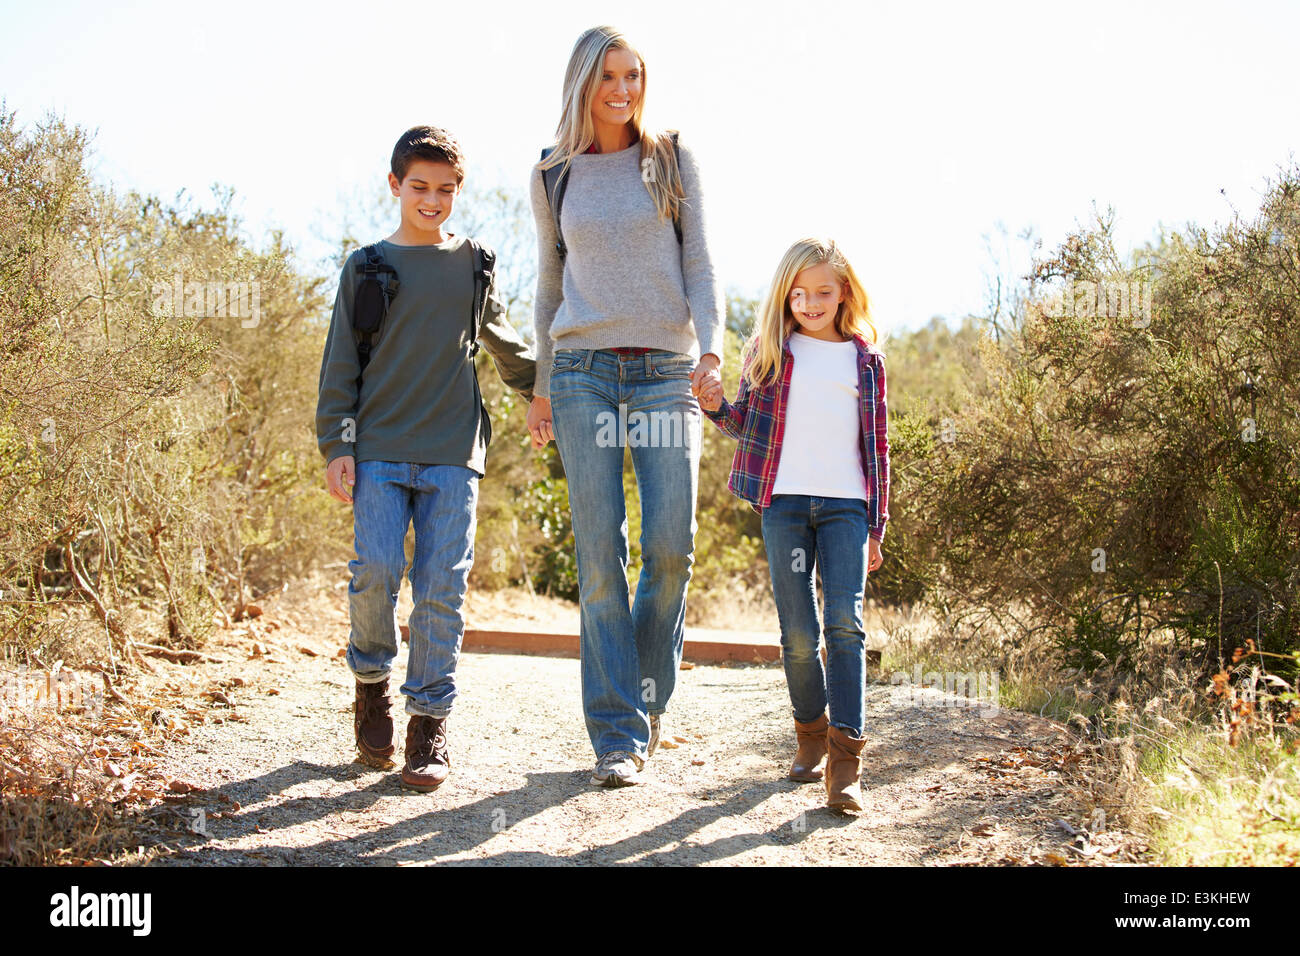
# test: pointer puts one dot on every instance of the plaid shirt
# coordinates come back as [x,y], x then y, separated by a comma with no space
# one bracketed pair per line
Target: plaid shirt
[757,422]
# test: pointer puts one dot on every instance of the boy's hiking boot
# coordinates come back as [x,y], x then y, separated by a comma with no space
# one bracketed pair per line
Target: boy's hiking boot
[373,723]
[811,755]
[427,760]
[617,769]
[844,770]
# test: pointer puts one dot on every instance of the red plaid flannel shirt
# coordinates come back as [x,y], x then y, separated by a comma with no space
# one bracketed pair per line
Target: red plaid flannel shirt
[757,421]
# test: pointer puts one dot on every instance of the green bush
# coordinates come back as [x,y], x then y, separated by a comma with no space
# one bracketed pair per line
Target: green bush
[1132,480]
[154,450]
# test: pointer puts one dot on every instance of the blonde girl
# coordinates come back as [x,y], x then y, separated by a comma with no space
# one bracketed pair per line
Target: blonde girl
[813,460]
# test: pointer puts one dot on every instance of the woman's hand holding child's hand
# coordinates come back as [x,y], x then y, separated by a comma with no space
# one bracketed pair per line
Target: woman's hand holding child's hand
[709,390]
[705,380]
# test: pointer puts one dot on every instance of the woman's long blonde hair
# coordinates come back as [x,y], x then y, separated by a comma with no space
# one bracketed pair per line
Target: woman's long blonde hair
[762,353]
[577,131]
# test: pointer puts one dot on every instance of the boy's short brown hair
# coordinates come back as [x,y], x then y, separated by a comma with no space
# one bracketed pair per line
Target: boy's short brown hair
[431,143]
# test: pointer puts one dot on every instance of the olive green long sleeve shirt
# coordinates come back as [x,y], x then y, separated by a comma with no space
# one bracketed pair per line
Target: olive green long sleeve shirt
[419,399]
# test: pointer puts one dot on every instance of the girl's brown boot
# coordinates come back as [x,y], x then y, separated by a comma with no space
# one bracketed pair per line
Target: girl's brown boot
[844,770]
[811,755]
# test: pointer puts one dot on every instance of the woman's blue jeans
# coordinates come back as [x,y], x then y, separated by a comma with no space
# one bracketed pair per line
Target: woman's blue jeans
[441,500]
[803,533]
[601,403]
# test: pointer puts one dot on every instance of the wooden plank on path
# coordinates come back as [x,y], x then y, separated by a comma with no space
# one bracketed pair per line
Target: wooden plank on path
[701,646]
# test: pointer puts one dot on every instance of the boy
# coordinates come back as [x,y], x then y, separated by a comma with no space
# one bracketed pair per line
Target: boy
[407,437]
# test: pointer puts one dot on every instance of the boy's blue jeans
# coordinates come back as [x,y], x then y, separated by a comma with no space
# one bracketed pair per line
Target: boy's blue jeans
[802,533]
[442,501]
[630,654]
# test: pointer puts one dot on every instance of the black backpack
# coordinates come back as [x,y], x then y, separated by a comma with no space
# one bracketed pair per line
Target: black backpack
[556,179]
[378,286]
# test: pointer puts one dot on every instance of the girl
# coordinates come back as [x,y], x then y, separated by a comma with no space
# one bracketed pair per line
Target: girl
[626,298]
[813,460]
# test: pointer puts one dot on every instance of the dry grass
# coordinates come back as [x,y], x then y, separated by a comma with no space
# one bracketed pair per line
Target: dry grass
[1215,775]
[47,814]
[1206,773]
[1219,805]
[79,777]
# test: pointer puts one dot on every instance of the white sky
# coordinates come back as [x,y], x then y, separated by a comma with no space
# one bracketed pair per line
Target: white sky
[906,131]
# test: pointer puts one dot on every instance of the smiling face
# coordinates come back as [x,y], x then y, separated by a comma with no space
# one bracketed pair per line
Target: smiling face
[619,89]
[427,196]
[815,301]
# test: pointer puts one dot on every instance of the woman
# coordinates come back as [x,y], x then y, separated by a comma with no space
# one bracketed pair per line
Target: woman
[623,303]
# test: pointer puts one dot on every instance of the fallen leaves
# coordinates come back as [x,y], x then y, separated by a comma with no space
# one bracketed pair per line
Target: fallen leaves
[1053,759]
[263,651]
[219,697]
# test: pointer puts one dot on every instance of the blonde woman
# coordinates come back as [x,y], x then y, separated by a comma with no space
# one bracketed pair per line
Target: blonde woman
[626,301]
[813,460]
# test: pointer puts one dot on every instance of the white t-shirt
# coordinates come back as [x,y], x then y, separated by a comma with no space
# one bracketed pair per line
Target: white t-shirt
[823,427]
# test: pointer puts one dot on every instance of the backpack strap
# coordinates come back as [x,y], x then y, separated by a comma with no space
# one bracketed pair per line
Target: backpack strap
[556,180]
[373,267]
[376,266]
[677,221]
[485,263]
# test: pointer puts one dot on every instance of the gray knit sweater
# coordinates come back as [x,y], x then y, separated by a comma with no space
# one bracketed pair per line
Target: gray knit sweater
[625,280]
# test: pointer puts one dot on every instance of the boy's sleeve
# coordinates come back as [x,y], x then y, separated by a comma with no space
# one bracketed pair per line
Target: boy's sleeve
[513,358]
[882,453]
[336,400]
[550,284]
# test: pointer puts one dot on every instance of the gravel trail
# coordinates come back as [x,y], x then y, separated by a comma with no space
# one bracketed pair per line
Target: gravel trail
[276,780]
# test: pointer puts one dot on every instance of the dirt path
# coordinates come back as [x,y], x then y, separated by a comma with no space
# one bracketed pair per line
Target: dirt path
[276,780]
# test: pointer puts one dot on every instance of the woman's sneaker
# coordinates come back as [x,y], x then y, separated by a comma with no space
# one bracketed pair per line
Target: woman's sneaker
[617,769]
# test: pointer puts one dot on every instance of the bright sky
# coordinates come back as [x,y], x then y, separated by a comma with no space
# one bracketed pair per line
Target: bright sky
[907,131]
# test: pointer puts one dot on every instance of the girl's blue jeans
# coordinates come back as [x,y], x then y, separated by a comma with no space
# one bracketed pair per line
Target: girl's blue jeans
[631,652]
[803,533]
[441,500]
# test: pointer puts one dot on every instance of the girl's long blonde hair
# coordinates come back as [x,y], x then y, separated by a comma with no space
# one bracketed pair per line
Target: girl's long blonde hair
[762,353]
[577,131]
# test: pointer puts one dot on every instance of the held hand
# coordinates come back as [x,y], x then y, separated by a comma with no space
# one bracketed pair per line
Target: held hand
[340,476]
[539,421]
[874,557]
[708,363]
[710,392]
[706,383]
